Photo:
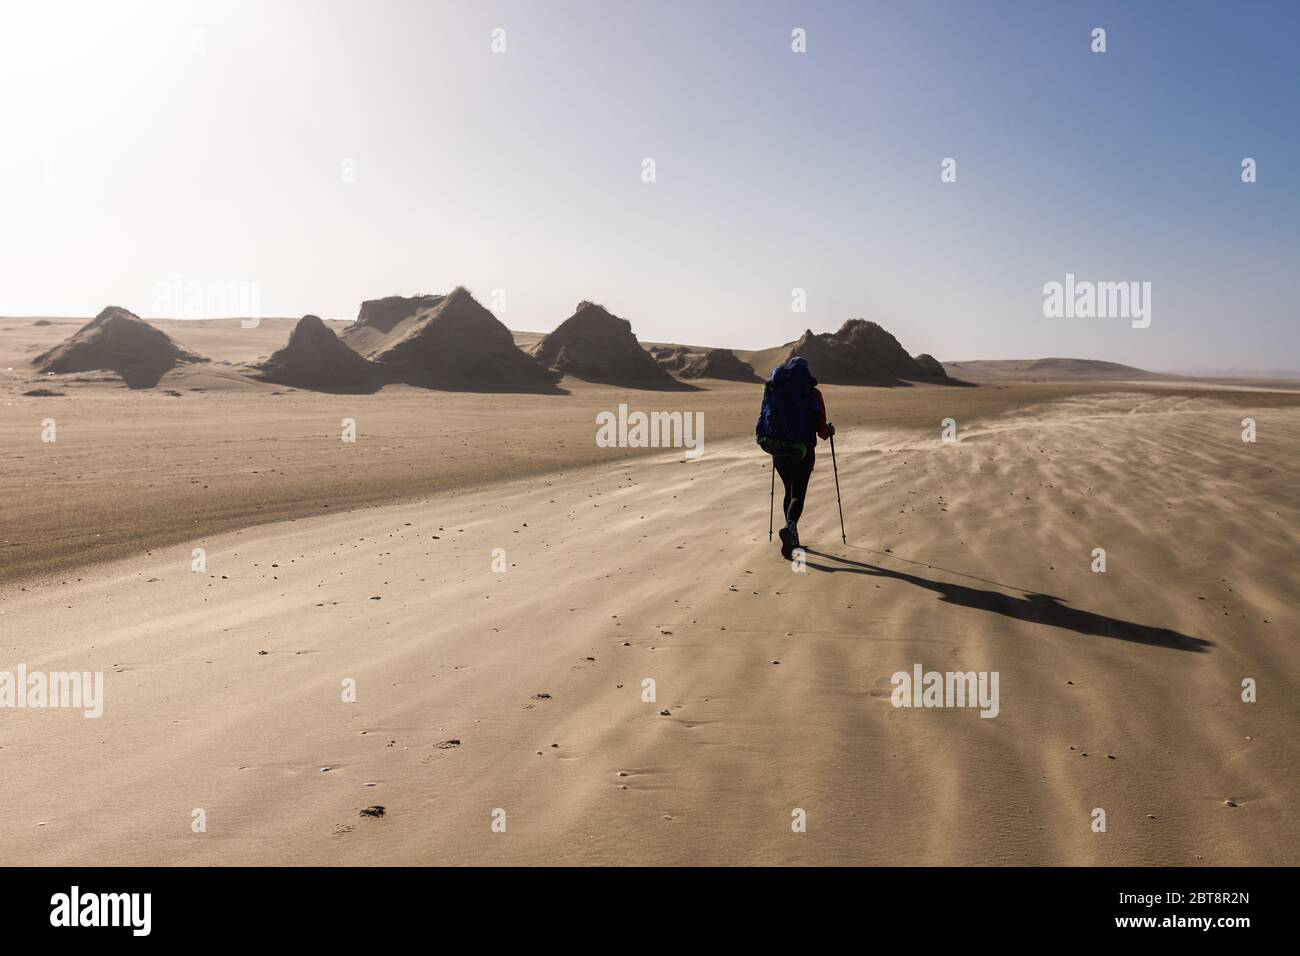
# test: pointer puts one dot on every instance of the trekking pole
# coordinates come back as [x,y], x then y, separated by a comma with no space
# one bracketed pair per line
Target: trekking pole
[836,469]
[771,501]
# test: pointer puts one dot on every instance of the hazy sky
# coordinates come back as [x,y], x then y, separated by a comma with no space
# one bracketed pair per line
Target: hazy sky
[213,141]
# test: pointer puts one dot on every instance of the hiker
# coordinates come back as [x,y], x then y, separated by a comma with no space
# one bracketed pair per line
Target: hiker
[792,418]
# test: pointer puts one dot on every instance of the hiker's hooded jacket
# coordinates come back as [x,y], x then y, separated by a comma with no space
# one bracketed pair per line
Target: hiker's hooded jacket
[819,409]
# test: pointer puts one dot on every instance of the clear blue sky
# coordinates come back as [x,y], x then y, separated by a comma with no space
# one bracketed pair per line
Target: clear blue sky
[147,140]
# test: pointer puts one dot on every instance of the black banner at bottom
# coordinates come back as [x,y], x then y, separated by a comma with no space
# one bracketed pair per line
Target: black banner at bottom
[334,905]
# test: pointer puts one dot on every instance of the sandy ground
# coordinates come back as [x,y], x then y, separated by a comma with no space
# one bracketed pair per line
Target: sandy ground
[210,450]
[206,450]
[522,692]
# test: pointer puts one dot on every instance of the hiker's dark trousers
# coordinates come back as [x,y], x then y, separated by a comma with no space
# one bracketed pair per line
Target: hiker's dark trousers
[794,473]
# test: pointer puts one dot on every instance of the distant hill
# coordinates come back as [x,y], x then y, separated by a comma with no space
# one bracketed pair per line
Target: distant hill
[1266,374]
[1048,370]
[859,353]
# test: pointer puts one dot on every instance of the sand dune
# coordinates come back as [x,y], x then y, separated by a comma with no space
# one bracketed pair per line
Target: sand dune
[236,341]
[689,363]
[859,353]
[597,346]
[522,691]
[118,341]
[315,357]
[381,321]
[452,343]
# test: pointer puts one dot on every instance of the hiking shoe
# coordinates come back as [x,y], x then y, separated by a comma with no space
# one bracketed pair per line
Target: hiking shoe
[788,543]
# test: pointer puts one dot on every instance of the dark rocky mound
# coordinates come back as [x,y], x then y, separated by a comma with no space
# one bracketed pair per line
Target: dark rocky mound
[315,358]
[862,353]
[696,363]
[454,343]
[930,364]
[596,346]
[118,341]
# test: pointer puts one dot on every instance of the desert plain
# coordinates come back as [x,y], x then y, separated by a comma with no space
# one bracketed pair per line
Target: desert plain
[497,590]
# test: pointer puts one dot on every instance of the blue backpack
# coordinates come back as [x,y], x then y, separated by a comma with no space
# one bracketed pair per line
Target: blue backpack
[785,420]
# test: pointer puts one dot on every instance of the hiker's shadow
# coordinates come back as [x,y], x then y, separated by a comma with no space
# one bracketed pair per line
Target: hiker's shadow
[1035,608]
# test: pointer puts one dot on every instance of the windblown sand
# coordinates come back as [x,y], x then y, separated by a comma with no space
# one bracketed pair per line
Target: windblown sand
[479,692]
[209,450]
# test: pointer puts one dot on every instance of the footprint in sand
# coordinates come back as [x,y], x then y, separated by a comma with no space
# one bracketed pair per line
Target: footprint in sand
[376,812]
